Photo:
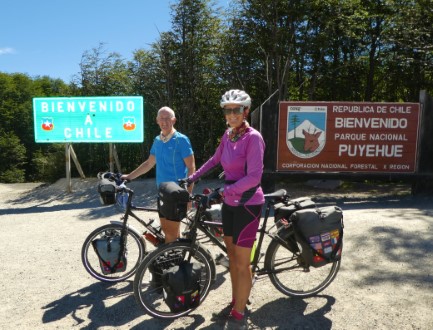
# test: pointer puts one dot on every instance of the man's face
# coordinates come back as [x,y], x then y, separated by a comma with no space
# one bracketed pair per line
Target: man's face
[165,122]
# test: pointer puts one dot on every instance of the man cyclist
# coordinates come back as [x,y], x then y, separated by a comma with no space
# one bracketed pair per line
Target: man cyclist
[173,156]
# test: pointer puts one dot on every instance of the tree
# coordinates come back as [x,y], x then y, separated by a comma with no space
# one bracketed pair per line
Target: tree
[271,46]
[12,158]
[189,59]
[407,62]
[16,116]
[149,80]
[102,74]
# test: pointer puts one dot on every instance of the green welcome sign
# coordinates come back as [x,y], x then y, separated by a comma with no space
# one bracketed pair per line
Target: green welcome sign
[88,119]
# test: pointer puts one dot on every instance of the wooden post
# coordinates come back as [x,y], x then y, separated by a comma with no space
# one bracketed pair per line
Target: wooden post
[424,182]
[69,151]
[110,157]
[77,163]
[116,158]
[268,126]
[68,167]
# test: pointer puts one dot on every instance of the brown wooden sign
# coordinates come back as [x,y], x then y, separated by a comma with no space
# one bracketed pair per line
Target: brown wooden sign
[348,137]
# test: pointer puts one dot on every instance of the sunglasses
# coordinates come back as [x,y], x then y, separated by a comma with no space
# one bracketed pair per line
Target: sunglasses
[235,111]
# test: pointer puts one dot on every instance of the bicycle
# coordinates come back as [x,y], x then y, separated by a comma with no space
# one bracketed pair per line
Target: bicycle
[283,263]
[133,243]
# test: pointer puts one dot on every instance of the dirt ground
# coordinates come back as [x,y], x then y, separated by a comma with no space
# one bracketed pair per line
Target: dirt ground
[385,281]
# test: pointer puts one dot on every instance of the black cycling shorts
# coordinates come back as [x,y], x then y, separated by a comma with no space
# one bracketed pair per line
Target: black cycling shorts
[241,223]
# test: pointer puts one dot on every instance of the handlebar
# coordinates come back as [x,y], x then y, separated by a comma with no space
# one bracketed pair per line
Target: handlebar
[205,200]
[116,177]
[184,183]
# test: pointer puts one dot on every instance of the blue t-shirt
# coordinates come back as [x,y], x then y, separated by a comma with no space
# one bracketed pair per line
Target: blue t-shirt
[169,156]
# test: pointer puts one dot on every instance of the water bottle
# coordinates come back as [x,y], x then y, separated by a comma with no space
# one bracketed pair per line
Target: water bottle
[151,238]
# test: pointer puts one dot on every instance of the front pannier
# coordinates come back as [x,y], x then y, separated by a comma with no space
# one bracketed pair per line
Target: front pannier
[172,200]
[109,253]
[181,286]
[320,233]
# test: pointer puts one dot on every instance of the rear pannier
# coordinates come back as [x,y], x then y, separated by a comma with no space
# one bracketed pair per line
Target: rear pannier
[172,200]
[283,211]
[319,231]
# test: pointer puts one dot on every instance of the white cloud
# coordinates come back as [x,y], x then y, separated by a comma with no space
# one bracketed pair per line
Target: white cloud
[6,50]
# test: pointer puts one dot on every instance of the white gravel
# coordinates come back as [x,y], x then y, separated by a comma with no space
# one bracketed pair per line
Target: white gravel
[386,279]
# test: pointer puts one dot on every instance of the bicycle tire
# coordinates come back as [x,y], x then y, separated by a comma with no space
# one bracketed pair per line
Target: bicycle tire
[135,251]
[148,290]
[288,273]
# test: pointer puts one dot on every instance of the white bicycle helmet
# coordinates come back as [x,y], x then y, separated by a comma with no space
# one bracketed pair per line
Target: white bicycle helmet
[236,96]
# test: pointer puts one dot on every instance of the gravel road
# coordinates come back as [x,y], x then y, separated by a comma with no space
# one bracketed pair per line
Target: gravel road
[385,282]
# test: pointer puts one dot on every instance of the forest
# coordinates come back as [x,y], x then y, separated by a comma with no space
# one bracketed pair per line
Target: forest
[306,50]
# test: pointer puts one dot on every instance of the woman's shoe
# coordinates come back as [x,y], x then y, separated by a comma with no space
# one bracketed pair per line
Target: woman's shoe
[223,314]
[232,324]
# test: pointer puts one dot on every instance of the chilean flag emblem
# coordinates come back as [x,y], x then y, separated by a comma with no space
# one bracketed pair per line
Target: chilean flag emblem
[47,124]
[129,123]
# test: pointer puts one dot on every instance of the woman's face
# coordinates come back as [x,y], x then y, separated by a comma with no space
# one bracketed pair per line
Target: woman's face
[235,114]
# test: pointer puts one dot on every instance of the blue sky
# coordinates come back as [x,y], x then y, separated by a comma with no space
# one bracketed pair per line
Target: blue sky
[48,37]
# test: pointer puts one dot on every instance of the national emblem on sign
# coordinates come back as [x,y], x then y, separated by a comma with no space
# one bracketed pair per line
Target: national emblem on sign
[306,133]
[47,124]
[129,123]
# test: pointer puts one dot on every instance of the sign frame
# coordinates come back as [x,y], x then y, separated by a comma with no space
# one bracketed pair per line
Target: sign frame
[371,137]
[104,119]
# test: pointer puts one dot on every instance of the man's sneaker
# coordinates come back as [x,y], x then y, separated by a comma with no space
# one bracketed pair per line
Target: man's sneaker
[232,323]
[222,260]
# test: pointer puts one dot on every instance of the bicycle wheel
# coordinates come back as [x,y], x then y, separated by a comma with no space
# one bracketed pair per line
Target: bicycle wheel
[148,290]
[135,250]
[288,272]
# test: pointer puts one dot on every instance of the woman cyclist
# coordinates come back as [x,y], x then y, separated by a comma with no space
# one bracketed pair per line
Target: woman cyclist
[240,153]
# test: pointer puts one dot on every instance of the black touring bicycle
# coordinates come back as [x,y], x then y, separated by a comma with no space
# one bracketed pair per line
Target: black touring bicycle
[302,257]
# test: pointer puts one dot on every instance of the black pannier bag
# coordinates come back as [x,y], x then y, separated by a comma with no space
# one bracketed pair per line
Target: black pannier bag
[172,200]
[320,233]
[110,257]
[283,211]
[107,191]
[181,286]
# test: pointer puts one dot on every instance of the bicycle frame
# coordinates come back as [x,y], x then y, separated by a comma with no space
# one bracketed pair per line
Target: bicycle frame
[129,213]
[271,200]
[197,223]
[203,225]
[262,232]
